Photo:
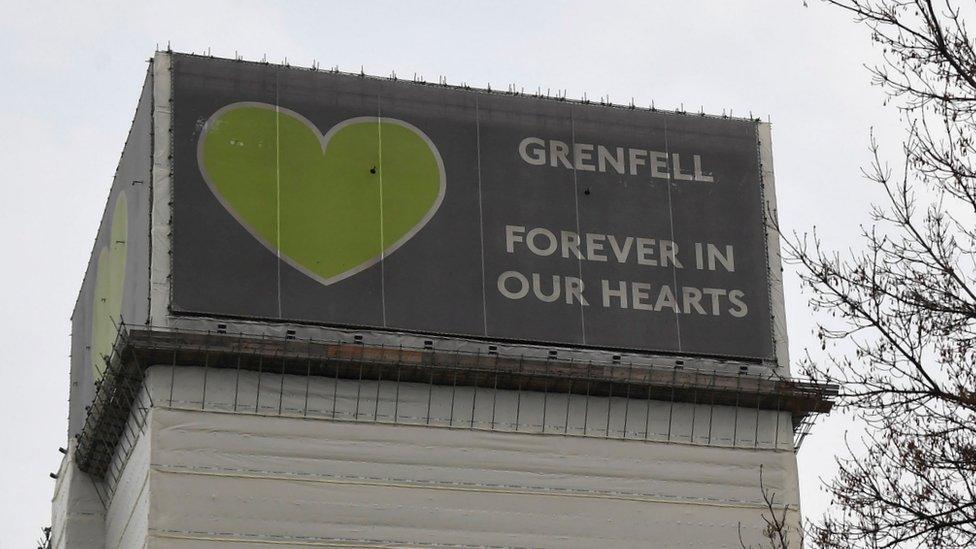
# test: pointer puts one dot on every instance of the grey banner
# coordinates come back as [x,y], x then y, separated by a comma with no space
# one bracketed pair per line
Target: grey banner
[116,284]
[352,201]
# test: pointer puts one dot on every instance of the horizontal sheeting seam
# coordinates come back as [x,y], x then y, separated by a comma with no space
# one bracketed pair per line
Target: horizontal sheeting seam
[564,470]
[79,514]
[310,541]
[560,474]
[501,489]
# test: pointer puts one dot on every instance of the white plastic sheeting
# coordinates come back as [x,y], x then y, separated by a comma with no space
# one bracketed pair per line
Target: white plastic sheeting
[774,254]
[77,514]
[162,181]
[224,479]
[389,401]
[229,478]
[127,517]
[110,514]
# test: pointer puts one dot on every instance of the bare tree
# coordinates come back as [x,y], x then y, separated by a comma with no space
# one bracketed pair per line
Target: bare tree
[780,531]
[899,338]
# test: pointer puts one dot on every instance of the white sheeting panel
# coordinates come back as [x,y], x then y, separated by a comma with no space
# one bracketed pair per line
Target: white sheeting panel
[388,401]
[236,477]
[773,251]
[77,515]
[350,451]
[231,509]
[126,521]
[162,181]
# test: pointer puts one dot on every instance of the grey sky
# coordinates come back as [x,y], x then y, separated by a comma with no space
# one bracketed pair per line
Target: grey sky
[70,75]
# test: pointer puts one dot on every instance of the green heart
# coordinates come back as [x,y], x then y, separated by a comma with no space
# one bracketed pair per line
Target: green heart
[109,285]
[330,205]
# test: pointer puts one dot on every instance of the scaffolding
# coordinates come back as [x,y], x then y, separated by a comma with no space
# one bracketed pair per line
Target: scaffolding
[120,406]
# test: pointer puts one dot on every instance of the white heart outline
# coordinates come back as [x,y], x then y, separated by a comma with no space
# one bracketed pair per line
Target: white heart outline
[324,141]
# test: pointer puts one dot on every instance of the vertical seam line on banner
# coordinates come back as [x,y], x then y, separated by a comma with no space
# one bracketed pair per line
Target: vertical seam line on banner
[278,195]
[674,268]
[481,217]
[579,255]
[152,183]
[379,132]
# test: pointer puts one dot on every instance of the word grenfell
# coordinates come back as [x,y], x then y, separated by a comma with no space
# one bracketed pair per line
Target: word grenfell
[598,158]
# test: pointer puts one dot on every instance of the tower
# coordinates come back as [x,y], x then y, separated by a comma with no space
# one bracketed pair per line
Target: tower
[328,309]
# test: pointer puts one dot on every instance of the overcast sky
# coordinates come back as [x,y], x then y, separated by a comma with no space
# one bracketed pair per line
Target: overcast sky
[70,74]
